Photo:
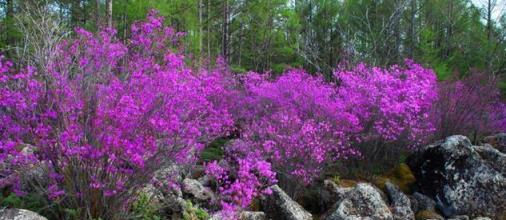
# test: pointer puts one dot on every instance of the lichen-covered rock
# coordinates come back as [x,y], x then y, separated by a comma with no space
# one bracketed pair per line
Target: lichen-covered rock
[174,173]
[498,141]
[422,202]
[334,192]
[166,191]
[459,217]
[19,214]
[427,214]
[197,190]
[401,205]
[33,175]
[199,195]
[363,201]
[169,200]
[172,190]
[152,193]
[495,158]
[462,178]
[174,201]
[280,206]
[247,215]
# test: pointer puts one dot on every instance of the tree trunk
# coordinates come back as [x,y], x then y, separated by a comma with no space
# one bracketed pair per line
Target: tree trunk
[449,31]
[489,32]
[10,18]
[397,31]
[97,13]
[412,30]
[225,31]
[240,43]
[75,16]
[9,9]
[489,19]
[201,31]
[109,13]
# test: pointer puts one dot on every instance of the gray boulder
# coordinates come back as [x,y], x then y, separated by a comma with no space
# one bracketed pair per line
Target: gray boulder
[422,202]
[168,201]
[165,191]
[175,173]
[459,217]
[464,179]
[333,193]
[363,202]
[498,141]
[401,205]
[19,214]
[280,206]
[493,157]
[33,176]
[196,190]
[248,215]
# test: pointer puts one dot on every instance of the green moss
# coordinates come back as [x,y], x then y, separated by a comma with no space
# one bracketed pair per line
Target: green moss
[336,179]
[400,176]
[255,205]
[426,214]
[347,183]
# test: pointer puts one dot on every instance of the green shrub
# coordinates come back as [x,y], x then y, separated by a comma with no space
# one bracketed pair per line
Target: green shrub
[37,203]
[214,151]
[143,209]
[30,201]
[194,213]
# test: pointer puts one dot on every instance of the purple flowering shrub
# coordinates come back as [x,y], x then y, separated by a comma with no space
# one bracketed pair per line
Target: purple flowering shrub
[297,122]
[471,106]
[394,109]
[391,103]
[105,115]
[301,123]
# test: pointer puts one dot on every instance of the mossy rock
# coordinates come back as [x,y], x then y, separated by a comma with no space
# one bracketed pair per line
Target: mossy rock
[347,183]
[426,214]
[400,176]
[255,205]
[344,182]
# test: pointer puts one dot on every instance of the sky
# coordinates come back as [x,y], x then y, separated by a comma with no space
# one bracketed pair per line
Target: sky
[499,9]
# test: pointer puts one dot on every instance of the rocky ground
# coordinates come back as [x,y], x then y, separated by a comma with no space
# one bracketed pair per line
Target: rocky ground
[454,180]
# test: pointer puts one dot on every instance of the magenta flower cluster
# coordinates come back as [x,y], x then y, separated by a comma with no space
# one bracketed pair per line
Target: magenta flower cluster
[391,103]
[239,180]
[298,122]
